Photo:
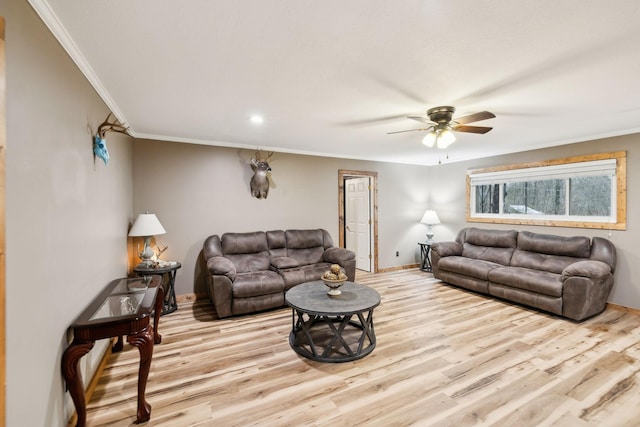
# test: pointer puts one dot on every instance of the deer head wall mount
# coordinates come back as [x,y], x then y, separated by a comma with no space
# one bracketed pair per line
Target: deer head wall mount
[260,179]
[99,141]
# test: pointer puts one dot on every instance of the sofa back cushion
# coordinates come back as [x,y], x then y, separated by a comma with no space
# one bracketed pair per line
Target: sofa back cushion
[489,245]
[306,246]
[603,250]
[247,251]
[548,252]
[576,246]
[277,243]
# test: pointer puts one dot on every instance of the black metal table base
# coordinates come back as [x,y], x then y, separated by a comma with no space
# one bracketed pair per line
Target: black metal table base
[169,305]
[332,338]
[168,274]
[425,249]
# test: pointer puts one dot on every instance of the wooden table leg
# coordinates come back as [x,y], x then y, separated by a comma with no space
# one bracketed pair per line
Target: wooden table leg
[73,377]
[144,341]
[157,338]
[118,346]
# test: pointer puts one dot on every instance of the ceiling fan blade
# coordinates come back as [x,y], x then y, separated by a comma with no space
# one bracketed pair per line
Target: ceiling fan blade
[421,119]
[371,121]
[409,130]
[475,117]
[471,129]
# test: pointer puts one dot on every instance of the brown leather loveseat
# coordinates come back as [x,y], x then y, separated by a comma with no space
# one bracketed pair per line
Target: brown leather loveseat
[567,276]
[250,272]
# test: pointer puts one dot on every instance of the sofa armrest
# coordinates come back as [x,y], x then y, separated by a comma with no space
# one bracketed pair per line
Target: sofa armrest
[585,288]
[343,257]
[444,249]
[589,269]
[221,266]
[282,262]
[335,255]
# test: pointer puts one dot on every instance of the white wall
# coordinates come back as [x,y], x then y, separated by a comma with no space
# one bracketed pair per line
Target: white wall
[66,215]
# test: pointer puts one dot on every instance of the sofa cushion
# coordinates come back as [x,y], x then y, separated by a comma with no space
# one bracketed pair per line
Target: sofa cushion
[306,246]
[277,243]
[301,239]
[500,256]
[541,282]
[490,245]
[257,303]
[257,283]
[283,262]
[244,243]
[492,238]
[576,246]
[541,262]
[476,268]
[292,277]
[247,263]
[315,271]
[466,282]
[247,251]
[544,302]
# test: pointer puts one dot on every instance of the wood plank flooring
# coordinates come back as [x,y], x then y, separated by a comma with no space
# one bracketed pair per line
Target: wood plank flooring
[444,357]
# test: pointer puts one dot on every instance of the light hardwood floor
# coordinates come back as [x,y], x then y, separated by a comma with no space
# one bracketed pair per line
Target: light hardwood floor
[444,357]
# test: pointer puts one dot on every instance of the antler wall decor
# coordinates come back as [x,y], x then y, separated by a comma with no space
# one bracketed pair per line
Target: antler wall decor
[260,180]
[99,141]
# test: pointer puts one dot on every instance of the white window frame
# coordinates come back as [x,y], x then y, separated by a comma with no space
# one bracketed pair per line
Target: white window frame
[606,164]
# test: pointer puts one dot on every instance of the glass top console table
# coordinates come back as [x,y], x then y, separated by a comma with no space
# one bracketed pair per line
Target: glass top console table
[124,307]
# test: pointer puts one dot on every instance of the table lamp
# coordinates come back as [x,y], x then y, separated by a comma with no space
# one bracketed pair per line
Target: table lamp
[147,226]
[430,218]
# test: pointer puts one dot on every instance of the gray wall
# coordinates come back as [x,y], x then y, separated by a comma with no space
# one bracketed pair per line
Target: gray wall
[66,216]
[447,192]
[197,191]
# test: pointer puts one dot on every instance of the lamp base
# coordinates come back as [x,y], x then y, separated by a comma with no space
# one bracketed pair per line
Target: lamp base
[429,235]
[429,240]
[147,254]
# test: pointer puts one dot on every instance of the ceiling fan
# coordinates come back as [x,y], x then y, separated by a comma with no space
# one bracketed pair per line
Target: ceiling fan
[441,125]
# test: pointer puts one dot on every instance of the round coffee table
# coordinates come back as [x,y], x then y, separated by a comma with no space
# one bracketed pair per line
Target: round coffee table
[332,328]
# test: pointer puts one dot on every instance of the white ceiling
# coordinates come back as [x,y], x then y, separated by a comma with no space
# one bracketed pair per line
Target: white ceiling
[333,77]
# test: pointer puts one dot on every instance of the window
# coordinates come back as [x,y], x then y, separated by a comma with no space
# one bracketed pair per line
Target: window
[588,191]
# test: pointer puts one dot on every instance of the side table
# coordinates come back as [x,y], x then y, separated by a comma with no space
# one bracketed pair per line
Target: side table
[425,251]
[332,328]
[168,274]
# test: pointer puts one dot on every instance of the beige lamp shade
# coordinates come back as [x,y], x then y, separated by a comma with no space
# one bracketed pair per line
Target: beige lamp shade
[146,224]
[430,217]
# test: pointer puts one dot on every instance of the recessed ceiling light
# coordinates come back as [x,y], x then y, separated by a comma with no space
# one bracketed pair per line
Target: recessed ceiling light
[256,119]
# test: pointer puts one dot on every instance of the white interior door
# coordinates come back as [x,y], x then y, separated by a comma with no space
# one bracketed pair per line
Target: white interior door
[358,220]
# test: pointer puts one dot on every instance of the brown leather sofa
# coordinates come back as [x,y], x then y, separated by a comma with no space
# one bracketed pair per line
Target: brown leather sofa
[250,272]
[567,276]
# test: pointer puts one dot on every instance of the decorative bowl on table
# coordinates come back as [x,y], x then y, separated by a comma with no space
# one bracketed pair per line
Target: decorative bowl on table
[333,279]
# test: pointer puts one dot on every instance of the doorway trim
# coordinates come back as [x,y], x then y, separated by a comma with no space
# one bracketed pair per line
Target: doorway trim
[342,175]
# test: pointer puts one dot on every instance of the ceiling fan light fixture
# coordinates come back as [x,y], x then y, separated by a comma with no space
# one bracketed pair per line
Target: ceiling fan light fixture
[430,139]
[445,139]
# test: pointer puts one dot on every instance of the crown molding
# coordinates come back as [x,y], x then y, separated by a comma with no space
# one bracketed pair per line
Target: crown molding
[51,20]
